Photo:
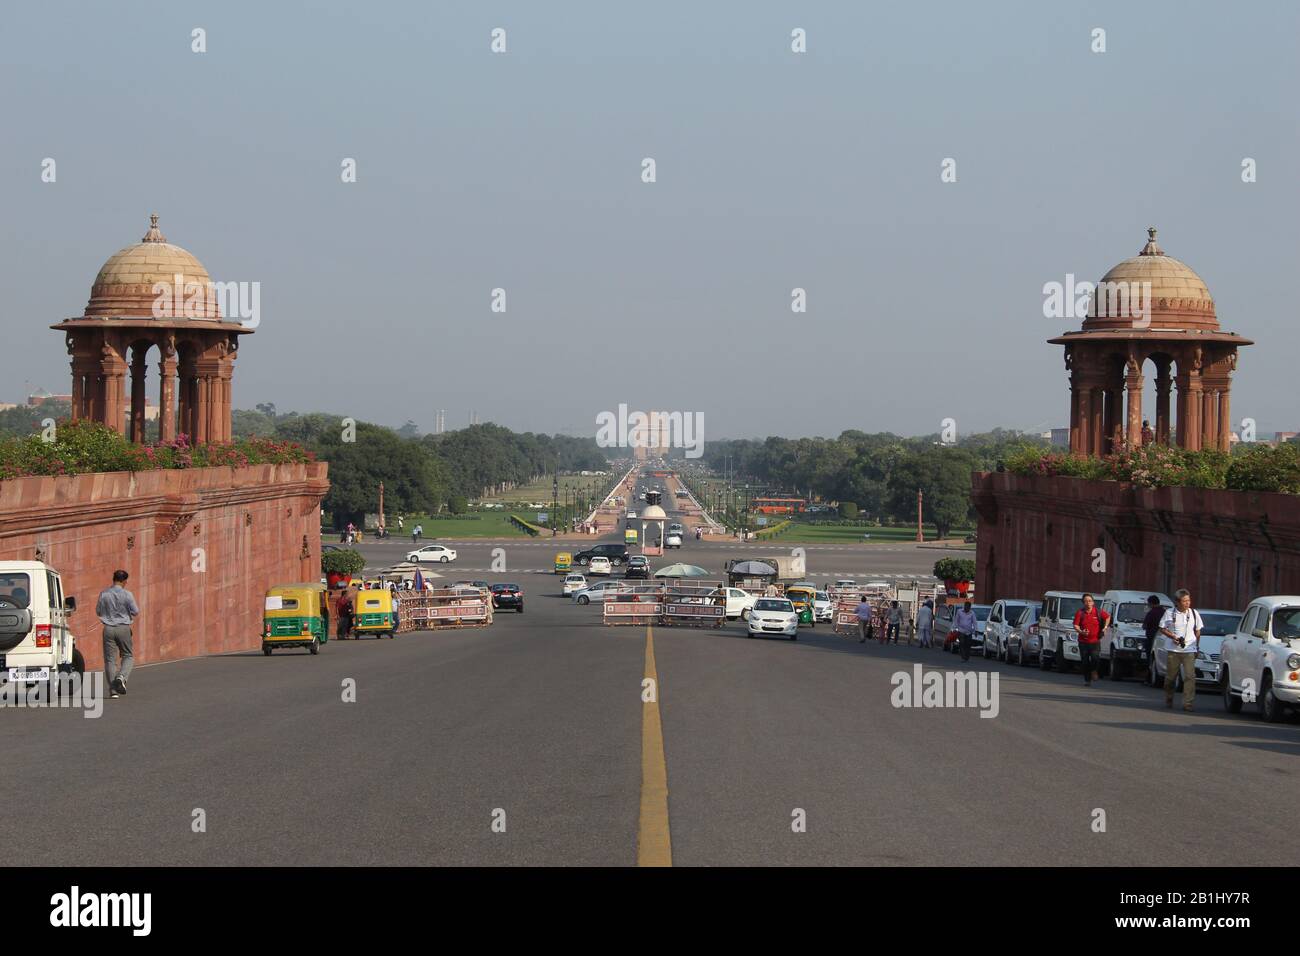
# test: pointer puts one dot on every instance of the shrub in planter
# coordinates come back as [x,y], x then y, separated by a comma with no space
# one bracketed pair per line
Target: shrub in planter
[338,565]
[954,569]
[848,509]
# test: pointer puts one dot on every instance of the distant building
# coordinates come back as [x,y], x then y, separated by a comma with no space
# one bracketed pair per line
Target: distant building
[1060,437]
[42,397]
[1280,437]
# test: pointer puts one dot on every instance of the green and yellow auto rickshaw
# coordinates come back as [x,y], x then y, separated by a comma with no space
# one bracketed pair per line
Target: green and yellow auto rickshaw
[295,615]
[563,562]
[629,536]
[804,600]
[374,613]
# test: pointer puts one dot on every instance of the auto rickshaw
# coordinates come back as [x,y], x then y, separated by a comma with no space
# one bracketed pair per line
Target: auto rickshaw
[563,562]
[804,600]
[374,613]
[629,536]
[295,615]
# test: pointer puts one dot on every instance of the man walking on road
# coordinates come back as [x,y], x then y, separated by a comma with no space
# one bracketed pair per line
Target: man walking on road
[863,613]
[925,623]
[1181,627]
[116,609]
[895,621]
[1151,628]
[964,624]
[1089,622]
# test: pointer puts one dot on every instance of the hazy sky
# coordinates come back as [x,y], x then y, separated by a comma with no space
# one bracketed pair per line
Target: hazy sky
[775,170]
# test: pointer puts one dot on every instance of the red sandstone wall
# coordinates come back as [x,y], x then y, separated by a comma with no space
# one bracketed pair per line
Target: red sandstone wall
[257,526]
[1038,533]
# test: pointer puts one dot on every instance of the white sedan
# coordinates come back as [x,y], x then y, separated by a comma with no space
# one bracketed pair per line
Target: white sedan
[574,583]
[598,565]
[774,616]
[432,552]
[738,603]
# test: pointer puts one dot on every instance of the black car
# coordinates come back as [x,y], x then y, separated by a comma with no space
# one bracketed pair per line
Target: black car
[637,567]
[617,554]
[508,595]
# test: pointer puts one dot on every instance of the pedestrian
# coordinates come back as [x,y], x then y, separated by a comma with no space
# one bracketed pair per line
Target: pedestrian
[1181,626]
[116,609]
[345,615]
[400,524]
[1151,628]
[964,624]
[895,621]
[1089,622]
[1148,436]
[925,623]
[864,613]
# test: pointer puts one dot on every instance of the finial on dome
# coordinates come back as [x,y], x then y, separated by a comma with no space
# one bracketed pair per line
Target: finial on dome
[153,235]
[1152,248]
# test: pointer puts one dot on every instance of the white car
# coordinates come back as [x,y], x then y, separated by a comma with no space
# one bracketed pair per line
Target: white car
[823,607]
[432,552]
[36,644]
[672,540]
[774,616]
[599,565]
[1002,618]
[1261,658]
[631,515]
[739,603]
[1123,641]
[574,583]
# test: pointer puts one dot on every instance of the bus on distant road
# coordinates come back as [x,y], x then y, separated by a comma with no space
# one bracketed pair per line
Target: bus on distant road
[780,506]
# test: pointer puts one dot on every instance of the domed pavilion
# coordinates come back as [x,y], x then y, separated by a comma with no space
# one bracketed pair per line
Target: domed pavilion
[1179,334]
[154,295]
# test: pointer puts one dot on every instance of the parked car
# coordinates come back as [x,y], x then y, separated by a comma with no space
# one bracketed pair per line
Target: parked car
[1123,641]
[594,592]
[739,603]
[1261,658]
[677,529]
[774,616]
[638,566]
[508,595]
[36,643]
[1002,618]
[673,541]
[1022,640]
[432,552]
[943,615]
[617,554]
[1209,650]
[1059,642]
[574,583]
[599,565]
[631,515]
[977,639]
[823,607]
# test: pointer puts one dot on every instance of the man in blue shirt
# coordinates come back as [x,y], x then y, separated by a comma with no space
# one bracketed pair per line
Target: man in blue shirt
[964,624]
[863,612]
[116,609]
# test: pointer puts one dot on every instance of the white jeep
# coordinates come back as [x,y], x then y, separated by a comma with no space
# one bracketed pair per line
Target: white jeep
[35,642]
[1261,659]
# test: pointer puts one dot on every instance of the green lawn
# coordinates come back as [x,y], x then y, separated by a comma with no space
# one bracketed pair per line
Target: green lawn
[492,524]
[541,490]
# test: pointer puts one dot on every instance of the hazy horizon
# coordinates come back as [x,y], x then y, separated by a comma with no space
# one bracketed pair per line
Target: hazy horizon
[775,170]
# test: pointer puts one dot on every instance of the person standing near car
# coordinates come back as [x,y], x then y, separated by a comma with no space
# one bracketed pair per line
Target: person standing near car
[1089,622]
[964,624]
[925,623]
[116,609]
[1151,628]
[1181,627]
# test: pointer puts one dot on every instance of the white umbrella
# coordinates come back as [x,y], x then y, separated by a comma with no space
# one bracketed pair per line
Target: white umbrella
[682,571]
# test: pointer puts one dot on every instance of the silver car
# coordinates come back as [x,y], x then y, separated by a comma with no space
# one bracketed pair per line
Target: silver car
[1023,644]
[1208,663]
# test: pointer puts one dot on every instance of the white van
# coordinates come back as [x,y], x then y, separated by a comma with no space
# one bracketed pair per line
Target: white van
[1059,644]
[35,641]
[1123,641]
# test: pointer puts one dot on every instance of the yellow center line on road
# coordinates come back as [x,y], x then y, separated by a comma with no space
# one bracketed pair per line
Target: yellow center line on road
[653,843]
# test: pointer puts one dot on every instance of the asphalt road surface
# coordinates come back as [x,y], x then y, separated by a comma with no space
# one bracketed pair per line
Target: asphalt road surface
[539,722]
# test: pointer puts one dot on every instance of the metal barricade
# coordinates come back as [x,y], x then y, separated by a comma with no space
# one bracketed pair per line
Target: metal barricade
[443,608]
[666,604]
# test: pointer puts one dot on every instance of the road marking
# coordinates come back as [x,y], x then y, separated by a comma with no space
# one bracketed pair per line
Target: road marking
[653,842]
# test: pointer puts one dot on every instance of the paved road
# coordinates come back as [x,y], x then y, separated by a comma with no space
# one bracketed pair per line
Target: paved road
[541,716]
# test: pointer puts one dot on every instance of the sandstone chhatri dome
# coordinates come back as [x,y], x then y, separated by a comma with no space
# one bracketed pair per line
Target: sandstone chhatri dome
[124,285]
[1180,299]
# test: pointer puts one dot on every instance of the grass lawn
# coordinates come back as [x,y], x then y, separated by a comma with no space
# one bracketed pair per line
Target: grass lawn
[541,490]
[490,525]
[823,534]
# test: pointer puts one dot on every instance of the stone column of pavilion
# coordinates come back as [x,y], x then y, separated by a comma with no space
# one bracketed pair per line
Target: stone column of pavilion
[1179,333]
[154,299]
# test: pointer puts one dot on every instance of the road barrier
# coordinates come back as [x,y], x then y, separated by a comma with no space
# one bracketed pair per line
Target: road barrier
[443,608]
[666,605]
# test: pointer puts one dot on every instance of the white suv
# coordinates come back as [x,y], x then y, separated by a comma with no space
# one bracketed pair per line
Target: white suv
[35,642]
[1261,659]
[1058,640]
[1123,642]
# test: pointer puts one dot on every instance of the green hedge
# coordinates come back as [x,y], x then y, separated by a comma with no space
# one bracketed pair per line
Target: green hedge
[527,526]
[84,447]
[773,531]
[1254,468]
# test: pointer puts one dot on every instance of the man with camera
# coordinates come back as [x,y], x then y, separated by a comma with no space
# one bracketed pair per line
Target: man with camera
[1181,627]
